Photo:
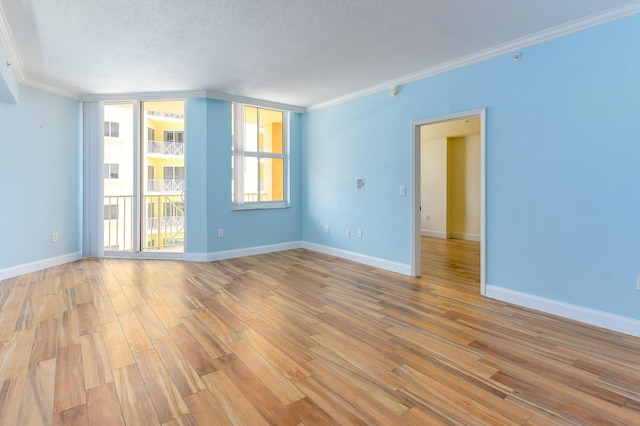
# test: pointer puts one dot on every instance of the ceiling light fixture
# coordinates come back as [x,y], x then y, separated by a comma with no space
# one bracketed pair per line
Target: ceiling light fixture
[517,56]
[394,91]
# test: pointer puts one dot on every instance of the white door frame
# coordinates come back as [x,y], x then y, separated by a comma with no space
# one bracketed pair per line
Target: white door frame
[416,193]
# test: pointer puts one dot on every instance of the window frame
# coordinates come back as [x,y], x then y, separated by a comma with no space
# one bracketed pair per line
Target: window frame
[173,169]
[238,161]
[172,136]
[112,208]
[109,167]
[108,129]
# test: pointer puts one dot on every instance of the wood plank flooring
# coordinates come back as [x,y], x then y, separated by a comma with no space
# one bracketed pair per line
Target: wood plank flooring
[299,338]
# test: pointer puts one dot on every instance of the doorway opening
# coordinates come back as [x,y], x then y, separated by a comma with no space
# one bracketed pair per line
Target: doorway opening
[448,197]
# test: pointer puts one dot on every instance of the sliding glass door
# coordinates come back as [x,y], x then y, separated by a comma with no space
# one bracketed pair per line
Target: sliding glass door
[144,170]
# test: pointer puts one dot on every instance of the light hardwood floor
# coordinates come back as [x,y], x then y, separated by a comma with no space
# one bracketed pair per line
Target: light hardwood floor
[299,338]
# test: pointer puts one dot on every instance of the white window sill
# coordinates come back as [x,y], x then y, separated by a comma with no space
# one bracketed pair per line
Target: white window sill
[262,206]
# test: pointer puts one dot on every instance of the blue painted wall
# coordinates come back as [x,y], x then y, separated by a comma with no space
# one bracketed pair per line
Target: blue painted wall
[563,174]
[41,189]
[196,126]
[209,186]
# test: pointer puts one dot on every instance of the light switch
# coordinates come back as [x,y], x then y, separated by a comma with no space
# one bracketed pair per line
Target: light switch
[403,190]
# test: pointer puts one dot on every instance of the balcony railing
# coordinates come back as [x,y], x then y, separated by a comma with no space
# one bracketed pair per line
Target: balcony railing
[165,185]
[165,148]
[164,221]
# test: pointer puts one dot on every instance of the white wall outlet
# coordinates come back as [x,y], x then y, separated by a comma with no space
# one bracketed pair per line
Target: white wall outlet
[54,237]
[638,282]
[220,233]
[347,233]
[403,190]
[428,217]
[326,229]
[360,233]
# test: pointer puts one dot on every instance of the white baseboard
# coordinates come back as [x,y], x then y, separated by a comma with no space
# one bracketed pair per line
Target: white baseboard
[27,268]
[444,235]
[434,234]
[232,254]
[461,236]
[196,257]
[400,268]
[590,316]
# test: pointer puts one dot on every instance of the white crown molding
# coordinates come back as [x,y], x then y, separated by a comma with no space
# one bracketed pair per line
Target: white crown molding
[253,101]
[132,96]
[630,9]
[50,89]
[191,94]
[601,18]
[6,39]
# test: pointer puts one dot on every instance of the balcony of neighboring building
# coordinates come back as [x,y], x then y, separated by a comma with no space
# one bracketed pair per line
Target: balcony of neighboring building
[165,186]
[171,145]
[165,148]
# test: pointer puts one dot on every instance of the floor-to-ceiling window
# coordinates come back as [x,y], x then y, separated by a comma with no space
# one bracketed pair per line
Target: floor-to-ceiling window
[144,172]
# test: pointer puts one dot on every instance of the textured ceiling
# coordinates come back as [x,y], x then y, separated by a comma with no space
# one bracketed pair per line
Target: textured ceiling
[300,52]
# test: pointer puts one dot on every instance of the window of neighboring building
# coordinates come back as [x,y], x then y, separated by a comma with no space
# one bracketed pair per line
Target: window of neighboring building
[111,171]
[176,136]
[173,172]
[151,134]
[111,212]
[260,161]
[111,129]
[151,210]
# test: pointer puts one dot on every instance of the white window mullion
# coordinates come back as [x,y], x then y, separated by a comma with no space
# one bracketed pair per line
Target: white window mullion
[266,185]
[138,159]
[239,154]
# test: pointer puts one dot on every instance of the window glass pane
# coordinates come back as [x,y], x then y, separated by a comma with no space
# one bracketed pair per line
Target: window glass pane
[111,212]
[271,179]
[115,130]
[107,128]
[105,171]
[251,180]
[114,171]
[251,128]
[271,130]
[167,209]
[179,173]
[167,172]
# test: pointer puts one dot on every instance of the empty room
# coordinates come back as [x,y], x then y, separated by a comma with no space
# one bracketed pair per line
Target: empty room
[315,213]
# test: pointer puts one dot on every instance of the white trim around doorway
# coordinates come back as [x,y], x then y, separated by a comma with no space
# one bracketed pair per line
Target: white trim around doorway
[415,193]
